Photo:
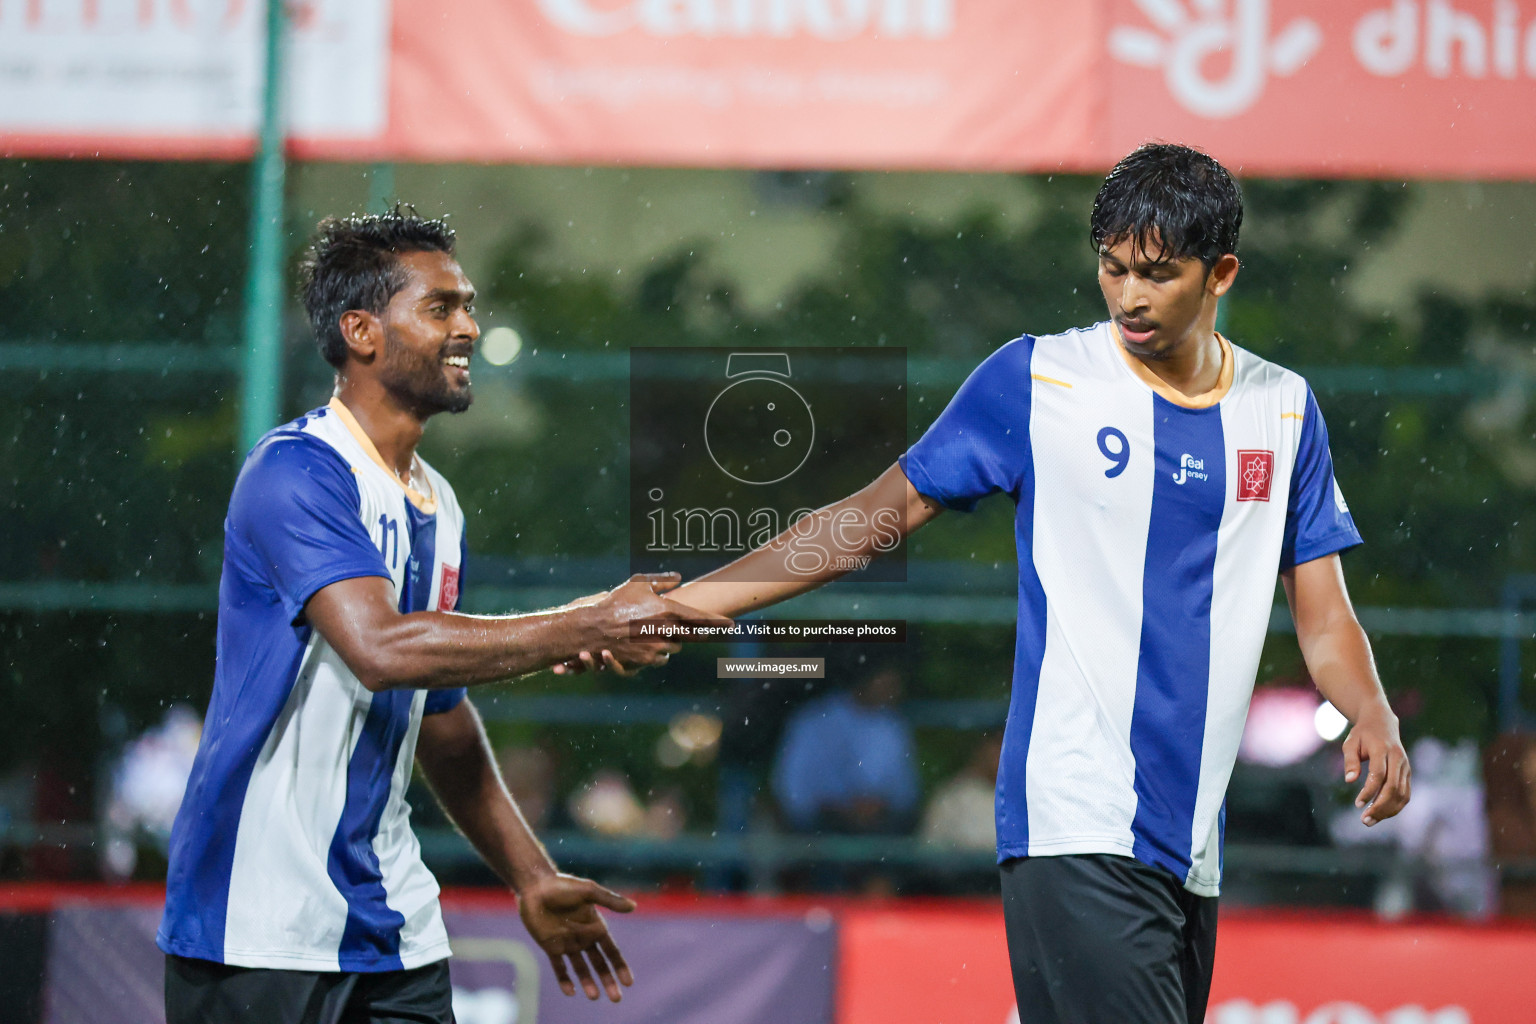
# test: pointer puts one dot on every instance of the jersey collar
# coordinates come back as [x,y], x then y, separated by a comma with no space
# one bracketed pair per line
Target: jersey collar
[1177,397]
[426,504]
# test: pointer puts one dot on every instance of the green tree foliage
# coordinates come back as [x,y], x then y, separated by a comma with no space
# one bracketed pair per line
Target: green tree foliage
[118,476]
[107,251]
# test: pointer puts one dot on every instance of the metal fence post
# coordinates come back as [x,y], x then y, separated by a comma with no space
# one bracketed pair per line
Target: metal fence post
[261,370]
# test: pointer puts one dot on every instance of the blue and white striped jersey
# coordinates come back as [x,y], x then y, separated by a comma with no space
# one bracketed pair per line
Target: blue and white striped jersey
[293,847]
[1149,537]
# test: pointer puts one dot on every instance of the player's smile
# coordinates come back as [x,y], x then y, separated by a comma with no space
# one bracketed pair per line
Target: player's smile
[457,365]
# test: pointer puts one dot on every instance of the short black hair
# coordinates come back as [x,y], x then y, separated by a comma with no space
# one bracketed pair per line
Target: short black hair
[1176,202]
[353,264]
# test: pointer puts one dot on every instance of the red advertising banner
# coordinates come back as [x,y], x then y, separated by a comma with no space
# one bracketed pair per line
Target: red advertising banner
[176,78]
[759,83]
[840,962]
[1317,970]
[950,966]
[933,965]
[1395,88]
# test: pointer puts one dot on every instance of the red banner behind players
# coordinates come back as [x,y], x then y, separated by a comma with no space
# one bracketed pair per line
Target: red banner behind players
[1395,88]
[770,83]
[950,966]
[930,962]
[935,965]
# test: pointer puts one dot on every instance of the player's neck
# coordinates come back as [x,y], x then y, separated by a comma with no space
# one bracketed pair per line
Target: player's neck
[1193,366]
[395,431]
[1196,372]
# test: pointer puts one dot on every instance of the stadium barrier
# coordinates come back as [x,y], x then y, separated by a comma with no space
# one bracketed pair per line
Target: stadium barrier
[751,960]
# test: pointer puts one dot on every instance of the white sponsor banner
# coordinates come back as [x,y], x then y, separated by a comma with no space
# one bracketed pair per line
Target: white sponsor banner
[177,68]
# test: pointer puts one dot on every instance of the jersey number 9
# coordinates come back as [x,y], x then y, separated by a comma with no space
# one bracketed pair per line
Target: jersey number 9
[1118,453]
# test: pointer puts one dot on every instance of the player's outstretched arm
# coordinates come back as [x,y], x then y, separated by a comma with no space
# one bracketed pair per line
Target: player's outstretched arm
[869,522]
[1338,656]
[389,650]
[559,910]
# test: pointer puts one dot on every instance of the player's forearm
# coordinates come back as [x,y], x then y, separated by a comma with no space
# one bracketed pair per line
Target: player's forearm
[1332,642]
[467,785]
[1338,657]
[808,555]
[747,584]
[386,650]
[822,547]
[444,649]
[495,827]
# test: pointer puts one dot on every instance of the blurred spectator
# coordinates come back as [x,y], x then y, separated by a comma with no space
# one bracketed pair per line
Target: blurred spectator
[1444,828]
[847,764]
[147,787]
[961,813]
[1509,766]
[608,806]
[664,815]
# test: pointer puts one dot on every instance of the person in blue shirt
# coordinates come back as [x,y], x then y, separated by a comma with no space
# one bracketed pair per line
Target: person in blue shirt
[295,891]
[847,763]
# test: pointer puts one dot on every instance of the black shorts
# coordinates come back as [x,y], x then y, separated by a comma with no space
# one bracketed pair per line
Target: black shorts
[203,992]
[1095,938]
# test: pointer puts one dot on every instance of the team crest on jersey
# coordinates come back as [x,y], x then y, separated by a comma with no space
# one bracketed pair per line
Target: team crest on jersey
[448,589]
[1255,469]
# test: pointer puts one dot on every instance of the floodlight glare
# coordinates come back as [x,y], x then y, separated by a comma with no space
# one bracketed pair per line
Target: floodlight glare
[1330,722]
[501,345]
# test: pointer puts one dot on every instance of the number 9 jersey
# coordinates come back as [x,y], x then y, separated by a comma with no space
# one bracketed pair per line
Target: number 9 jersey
[1150,529]
[293,848]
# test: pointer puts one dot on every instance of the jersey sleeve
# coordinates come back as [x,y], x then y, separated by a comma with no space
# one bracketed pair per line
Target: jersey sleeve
[294,512]
[1317,519]
[977,445]
[439,701]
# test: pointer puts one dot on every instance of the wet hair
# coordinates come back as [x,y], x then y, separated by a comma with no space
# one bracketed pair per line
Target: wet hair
[353,264]
[1174,201]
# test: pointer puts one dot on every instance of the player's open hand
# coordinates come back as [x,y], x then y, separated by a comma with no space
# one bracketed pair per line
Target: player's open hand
[560,913]
[1375,740]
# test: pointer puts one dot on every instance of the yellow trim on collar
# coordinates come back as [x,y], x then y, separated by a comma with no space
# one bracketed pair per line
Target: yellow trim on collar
[1177,397]
[426,504]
